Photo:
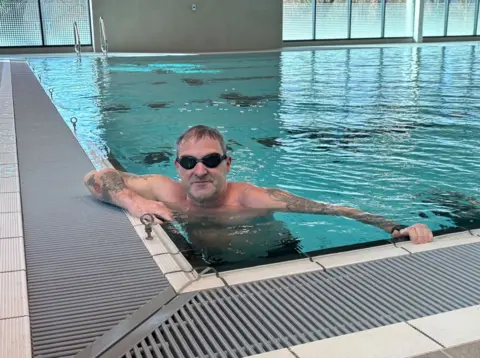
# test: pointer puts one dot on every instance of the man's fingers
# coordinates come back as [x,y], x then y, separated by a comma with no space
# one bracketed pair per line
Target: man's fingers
[426,235]
[412,232]
[419,233]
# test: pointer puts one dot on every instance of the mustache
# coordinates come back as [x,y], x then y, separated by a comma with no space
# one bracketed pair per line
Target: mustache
[197,179]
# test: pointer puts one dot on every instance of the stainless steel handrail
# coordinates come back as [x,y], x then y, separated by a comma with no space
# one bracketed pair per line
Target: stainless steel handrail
[78,45]
[103,37]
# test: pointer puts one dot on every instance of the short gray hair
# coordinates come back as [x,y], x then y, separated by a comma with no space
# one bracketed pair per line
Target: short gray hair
[200,132]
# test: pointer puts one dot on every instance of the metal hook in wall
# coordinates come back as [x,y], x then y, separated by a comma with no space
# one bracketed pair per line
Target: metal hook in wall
[74,121]
[147,220]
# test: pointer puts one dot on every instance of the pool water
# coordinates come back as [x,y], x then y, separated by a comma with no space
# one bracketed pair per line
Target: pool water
[392,131]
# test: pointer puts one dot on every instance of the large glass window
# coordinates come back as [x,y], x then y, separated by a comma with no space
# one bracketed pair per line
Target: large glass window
[332,19]
[43,22]
[20,23]
[58,17]
[461,14]
[366,18]
[434,18]
[297,20]
[478,21]
[399,16]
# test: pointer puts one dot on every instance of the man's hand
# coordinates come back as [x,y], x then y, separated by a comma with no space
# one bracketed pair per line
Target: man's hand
[141,206]
[419,233]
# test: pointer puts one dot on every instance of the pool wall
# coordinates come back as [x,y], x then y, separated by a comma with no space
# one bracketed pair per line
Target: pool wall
[172,25]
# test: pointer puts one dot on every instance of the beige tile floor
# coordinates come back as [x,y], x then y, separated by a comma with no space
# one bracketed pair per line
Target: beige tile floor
[14,316]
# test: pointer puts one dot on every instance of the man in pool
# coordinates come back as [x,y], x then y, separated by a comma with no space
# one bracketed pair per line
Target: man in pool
[208,202]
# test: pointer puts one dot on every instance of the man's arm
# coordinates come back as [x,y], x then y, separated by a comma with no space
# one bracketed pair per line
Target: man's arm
[128,191]
[280,200]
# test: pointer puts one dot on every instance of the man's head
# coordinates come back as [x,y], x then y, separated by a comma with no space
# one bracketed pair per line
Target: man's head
[202,163]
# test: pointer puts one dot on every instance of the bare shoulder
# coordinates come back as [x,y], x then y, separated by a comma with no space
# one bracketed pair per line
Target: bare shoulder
[247,194]
[167,190]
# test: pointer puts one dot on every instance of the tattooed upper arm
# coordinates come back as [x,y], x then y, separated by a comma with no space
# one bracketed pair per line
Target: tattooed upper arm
[280,200]
[296,203]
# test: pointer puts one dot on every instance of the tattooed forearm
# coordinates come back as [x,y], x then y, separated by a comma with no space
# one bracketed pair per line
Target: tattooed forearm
[302,205]
[105,187]
[111,183]
[298,204]
[128,176]
[91,182]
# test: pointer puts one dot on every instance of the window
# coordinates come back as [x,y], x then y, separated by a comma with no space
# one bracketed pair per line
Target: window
[331,19]
[356,19]
[399,16]
[366,18]
[461,15]
[58,17]
[43,22]
[20,25]
[434,18]
[297,20]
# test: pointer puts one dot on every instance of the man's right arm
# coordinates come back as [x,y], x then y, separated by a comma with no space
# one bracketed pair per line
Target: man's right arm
[128,191]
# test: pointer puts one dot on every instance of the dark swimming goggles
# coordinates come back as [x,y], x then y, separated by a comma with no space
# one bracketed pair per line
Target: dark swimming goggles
[210,161]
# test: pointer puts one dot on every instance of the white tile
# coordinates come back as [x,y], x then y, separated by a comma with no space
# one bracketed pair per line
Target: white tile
[393,341]
[13,294]
[8,158]
[179,280]
[452,328]
[10,225]
[171,263]
[9,202]
[155,246]
[281,353]
[6,129]
[134,220]
[15,340]
[8,138]
[476,232]
[6,102]
[9,185]
[204,283]
[8,170]
[443,241]
[269,271]
[8,147]
[12,254]
[7,126]
[358,256]
[7,120]
[162,235]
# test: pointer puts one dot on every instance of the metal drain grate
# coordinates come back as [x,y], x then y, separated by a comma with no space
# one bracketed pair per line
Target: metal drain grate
[253,318]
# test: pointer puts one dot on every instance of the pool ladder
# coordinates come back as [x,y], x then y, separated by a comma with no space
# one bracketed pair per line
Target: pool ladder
[78,45]
[103,37]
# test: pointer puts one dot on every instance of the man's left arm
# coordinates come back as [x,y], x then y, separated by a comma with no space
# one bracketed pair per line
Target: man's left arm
[280,200]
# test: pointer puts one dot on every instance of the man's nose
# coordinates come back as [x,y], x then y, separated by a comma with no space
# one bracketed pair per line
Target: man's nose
[200,170]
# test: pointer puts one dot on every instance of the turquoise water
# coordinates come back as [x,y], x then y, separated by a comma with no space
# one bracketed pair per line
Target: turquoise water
[392,131]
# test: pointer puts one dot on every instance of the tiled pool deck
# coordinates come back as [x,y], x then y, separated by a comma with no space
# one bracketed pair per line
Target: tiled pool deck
[88,274]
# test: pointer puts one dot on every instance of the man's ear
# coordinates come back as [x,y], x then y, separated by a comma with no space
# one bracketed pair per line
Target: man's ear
[229,163]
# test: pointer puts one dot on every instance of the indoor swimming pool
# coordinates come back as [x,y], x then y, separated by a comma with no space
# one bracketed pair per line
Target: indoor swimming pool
[392,131]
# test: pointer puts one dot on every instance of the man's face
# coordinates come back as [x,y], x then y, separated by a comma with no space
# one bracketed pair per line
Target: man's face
[203,184]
